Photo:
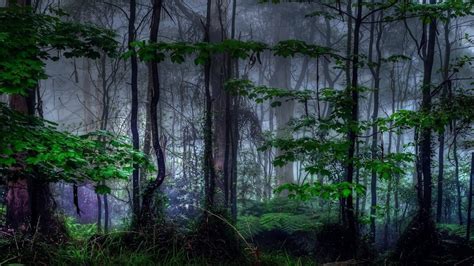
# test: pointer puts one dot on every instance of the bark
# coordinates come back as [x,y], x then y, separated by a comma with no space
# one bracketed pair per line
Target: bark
[426,132]
[106,214]
[234,122]
[99,213]
[220,71]
[30,205]
[469,200]
[134,110]
[353,92]
[146,211]
[209,170]
[18,205]
[456,179]
[447,56]
[374,149]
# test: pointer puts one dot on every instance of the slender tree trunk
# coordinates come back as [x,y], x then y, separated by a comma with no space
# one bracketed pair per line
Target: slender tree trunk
[134,111]
[469,200]
[447,57]
[389,151]
[456,179]
[426,136]
[209,171]
[148,193]
[281,78]
[374,149]
[99,213]
[106,214]
[353,91]
[234,133]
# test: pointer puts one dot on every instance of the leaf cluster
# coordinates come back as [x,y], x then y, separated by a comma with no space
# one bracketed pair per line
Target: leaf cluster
[33,147]
[28,39]
[177,52]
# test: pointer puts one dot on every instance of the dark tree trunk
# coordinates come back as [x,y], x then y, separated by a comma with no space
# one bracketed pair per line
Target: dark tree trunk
[146,211]
[353,91]
[234,133]
[374,148]
[134,111]
[30,204]
[425,132]
[469,200]
[447,57]
[209,171]
[106,214]
[456,179]
[99,213]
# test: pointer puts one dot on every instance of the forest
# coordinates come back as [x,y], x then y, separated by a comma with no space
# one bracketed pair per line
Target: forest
[236,132]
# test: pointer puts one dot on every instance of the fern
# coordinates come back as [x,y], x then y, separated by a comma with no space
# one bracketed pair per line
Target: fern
[249,226]
[289,223]
[79,231]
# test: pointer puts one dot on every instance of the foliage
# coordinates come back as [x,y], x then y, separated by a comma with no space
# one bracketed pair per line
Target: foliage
[289,223]
[79,231]
[178,51]
[277,204]
[308,191]
[111,250]
[285,259]
[438,118]
[27,39]
[32,146]
[427,13]
[308,142]
[454,229]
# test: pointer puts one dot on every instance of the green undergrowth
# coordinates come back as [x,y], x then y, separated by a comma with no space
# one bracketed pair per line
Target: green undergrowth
[160,245]
[288,223]
[283,258]
[109,250]
[79,231]
[455,229]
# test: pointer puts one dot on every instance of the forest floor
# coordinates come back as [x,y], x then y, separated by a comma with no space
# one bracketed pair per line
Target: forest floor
[118,247]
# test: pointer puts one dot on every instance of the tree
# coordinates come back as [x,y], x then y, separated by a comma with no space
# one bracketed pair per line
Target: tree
[375,67]
[23,30]
[149,191]
[134,110]
[469,200]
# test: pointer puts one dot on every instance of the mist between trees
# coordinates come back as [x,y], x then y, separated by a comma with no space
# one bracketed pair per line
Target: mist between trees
[254,132]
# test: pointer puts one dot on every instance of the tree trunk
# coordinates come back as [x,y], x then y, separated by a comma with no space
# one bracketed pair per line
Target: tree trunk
[281,78]
[353,117]
[209,170]
[99,213]
[30,204]
[425,143]
[374,149]
[134,111]
[447,57]
[220,69]
[469,200]
[106,213]
[146,211]
[456,179]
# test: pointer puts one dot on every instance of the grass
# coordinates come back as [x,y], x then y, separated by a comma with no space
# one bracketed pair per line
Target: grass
[87,247]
